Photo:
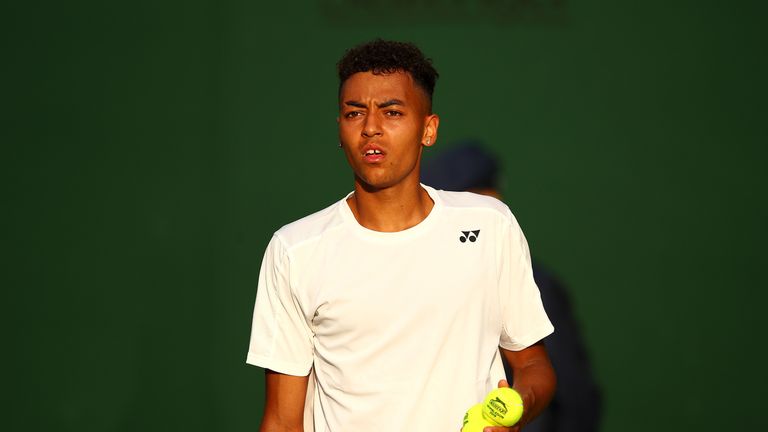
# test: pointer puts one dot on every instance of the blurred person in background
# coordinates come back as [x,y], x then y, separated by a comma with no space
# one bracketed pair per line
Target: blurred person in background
[576,407]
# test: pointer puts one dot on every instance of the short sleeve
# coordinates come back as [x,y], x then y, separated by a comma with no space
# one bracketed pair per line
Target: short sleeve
[281,339]
[524,321]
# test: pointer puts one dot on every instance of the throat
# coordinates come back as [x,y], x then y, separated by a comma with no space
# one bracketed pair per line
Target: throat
[386,212]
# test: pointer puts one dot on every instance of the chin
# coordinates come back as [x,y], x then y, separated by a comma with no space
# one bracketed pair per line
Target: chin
[377,179]
[374,186]
[375,183]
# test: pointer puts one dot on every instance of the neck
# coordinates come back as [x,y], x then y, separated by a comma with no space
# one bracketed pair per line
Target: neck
[390,209]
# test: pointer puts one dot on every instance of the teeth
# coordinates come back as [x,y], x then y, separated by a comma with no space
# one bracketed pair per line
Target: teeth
[372,152]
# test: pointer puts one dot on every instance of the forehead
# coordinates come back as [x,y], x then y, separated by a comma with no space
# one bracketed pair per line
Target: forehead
[367,85]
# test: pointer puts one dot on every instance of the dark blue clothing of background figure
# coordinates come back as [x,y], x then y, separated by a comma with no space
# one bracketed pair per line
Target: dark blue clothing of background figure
[576,406]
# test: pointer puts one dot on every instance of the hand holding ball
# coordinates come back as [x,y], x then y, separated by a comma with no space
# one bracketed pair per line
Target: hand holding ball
[502,407]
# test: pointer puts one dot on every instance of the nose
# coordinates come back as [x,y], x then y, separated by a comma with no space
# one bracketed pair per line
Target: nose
[372,126]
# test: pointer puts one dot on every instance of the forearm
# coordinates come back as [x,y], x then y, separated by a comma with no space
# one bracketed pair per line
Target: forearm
[284,403]
[534,378]
[536,384]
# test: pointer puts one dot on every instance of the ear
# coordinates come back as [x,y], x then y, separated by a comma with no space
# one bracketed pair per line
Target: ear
[429,138]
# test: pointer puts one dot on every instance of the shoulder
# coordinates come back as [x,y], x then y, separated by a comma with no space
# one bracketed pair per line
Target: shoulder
[472,202]
[310,227]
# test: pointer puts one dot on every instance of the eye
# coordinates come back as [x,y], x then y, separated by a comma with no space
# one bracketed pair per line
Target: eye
[392,113]
[353,114]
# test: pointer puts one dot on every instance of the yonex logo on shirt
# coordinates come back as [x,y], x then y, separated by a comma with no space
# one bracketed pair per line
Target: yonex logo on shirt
[471,235]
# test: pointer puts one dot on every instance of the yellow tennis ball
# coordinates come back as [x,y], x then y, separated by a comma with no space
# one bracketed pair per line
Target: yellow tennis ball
[473,414]
[474,420]
[503,406]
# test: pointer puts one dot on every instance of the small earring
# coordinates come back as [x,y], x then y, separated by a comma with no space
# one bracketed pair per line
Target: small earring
[428,141]
[339,145]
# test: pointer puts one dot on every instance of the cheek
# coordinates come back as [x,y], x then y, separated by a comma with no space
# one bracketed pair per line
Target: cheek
[347,135]
[400,134]
[411,127]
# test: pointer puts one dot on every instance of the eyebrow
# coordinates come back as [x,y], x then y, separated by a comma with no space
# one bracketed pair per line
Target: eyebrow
[355,104]
[390,103]
[381,105]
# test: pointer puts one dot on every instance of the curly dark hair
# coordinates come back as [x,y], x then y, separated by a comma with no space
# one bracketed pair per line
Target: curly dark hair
[385,57]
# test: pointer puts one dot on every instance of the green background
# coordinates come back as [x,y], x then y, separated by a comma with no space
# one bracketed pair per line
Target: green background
[149,150]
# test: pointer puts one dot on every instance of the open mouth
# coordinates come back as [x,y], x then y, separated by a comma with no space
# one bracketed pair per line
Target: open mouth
[373,155]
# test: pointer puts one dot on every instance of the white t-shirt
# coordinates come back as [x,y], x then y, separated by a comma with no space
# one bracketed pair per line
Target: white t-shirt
[400,330]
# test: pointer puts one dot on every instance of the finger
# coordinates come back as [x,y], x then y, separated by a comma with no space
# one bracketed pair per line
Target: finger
[501,429]
[503,383]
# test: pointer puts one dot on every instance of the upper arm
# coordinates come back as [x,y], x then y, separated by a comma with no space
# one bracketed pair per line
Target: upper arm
[535,354]
[523,318]
[281,336]
[284,402]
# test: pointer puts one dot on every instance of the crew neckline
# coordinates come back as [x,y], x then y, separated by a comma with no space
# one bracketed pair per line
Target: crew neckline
[407,233]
